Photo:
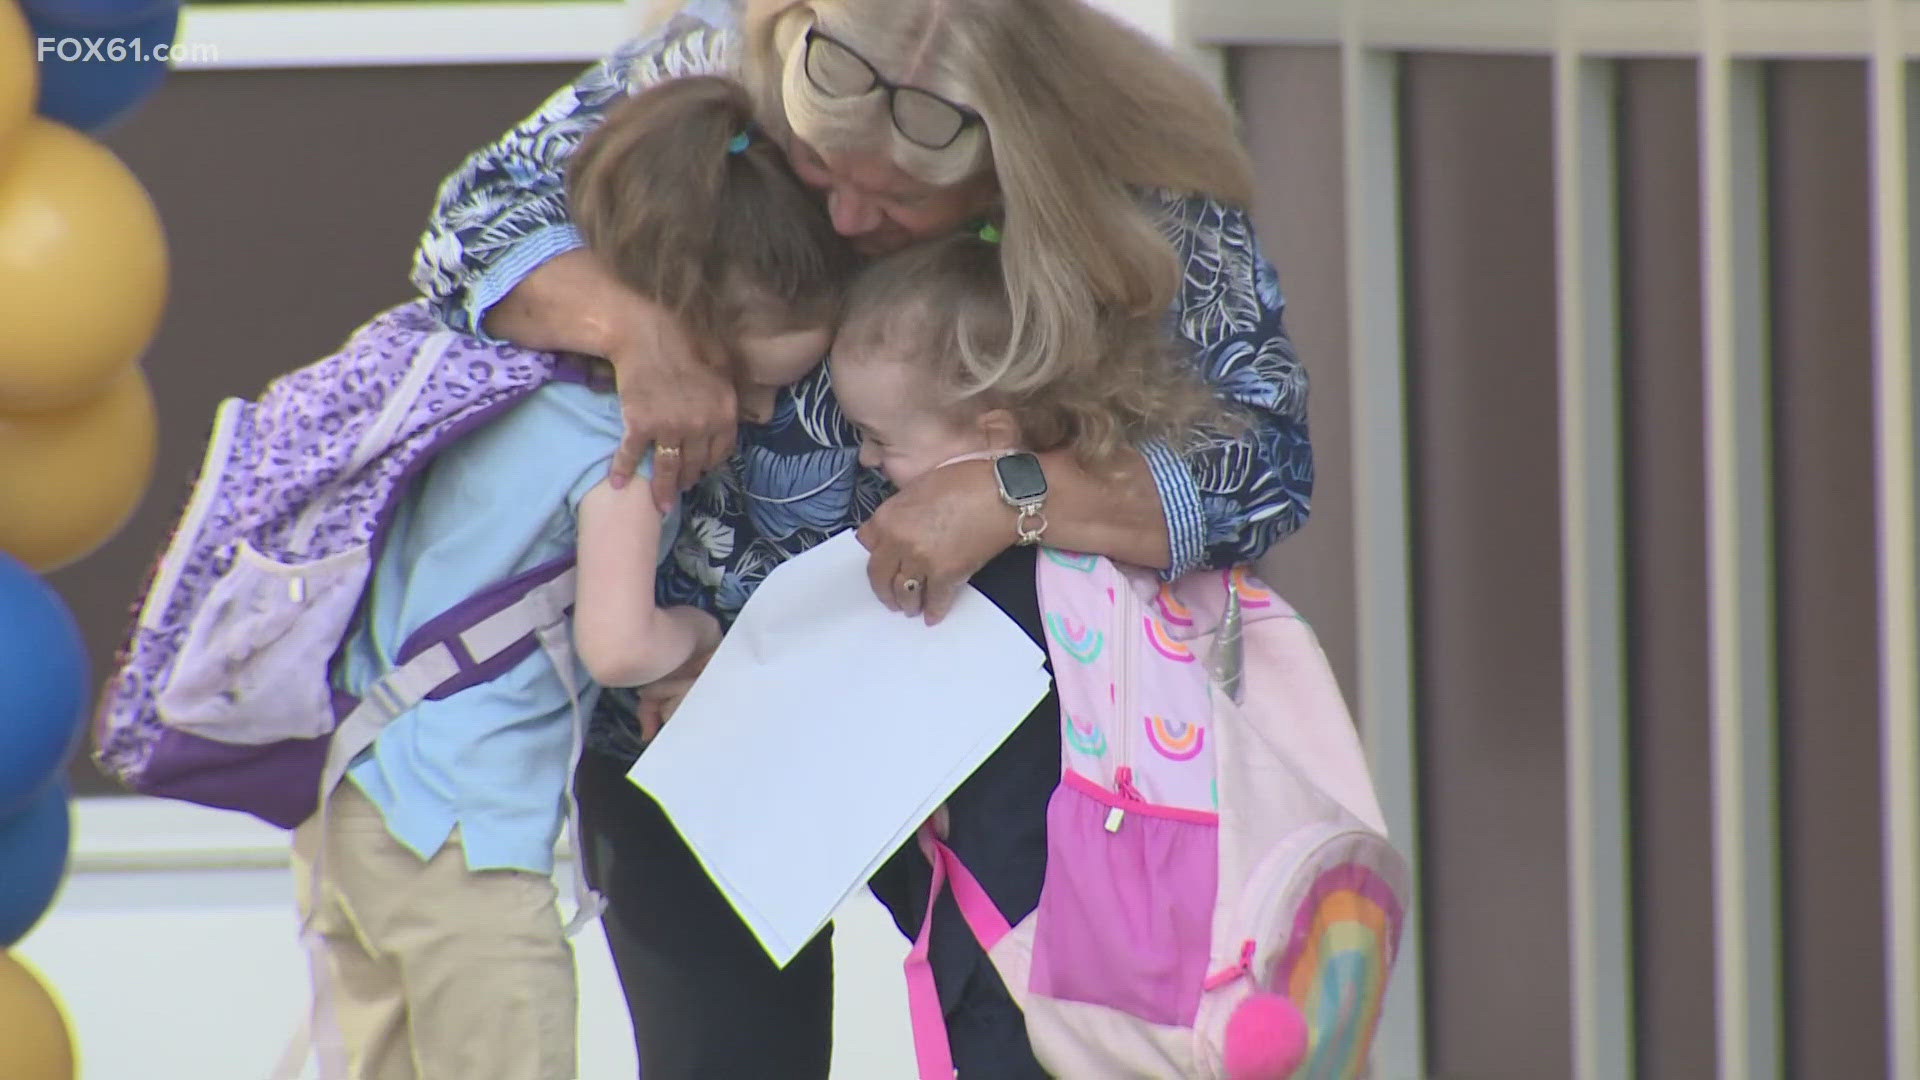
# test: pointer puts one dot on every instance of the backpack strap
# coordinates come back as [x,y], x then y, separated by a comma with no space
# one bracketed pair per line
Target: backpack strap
[931,1049]
[557,640]
[541,614]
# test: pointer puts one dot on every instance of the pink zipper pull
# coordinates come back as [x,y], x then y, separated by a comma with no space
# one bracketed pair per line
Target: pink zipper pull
[1122,783]
[1225,975]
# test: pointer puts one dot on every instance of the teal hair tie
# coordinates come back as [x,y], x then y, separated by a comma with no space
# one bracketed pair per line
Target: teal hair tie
[989,232]
[738,145]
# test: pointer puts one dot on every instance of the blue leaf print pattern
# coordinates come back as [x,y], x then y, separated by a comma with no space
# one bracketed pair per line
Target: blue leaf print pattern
[789,492]
[1276,365]
[513,192]
[758,560]
[1220,293]
[817,411]
[1266,280]
[1233,372]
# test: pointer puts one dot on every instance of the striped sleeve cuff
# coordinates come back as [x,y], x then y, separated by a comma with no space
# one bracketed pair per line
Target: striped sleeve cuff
[511,268]
[1180,496]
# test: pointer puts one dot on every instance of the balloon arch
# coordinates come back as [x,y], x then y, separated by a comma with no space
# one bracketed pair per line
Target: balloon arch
[83,279]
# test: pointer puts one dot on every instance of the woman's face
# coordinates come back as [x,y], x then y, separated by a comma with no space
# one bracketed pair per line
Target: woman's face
[881,208]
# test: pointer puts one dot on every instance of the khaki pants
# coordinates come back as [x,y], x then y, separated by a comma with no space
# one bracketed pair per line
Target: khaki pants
[430,971]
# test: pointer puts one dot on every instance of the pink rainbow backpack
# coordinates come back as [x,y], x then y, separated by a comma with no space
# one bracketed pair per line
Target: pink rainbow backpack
[1221,901]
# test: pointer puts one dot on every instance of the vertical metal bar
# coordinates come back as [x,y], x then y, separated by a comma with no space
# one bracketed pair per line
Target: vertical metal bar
[1893,135]
[1592,562]
[1383,538]
[1740,559]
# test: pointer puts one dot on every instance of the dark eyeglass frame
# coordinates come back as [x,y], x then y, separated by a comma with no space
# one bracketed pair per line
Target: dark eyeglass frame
[968,117]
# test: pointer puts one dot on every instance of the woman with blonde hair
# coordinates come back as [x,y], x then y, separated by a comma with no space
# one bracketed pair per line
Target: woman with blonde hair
[1112,181]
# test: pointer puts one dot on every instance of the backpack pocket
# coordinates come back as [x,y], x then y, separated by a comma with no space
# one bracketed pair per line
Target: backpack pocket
[1126,915]
[1318,924]
[254,667]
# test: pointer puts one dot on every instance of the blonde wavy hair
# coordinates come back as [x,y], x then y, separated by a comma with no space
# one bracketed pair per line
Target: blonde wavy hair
[934,304]
[1085,119]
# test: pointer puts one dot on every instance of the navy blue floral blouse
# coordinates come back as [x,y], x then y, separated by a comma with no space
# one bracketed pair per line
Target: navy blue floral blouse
[795,479]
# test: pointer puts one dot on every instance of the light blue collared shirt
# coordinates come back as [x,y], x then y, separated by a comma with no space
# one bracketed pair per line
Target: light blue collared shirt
[493,758]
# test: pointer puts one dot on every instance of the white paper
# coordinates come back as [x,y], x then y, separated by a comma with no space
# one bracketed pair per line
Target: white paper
[825,730]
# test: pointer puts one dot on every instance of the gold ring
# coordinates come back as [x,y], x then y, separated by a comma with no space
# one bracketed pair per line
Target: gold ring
[668,451]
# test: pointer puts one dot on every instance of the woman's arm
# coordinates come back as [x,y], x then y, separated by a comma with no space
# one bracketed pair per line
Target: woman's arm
[671,389]
[1224,502]
[944,527]
[500,259]
[623,638]
[1231,498]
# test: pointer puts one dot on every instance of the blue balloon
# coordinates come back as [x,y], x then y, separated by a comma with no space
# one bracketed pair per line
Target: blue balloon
[33,861]
[44,686]
[98,59]
[98,14]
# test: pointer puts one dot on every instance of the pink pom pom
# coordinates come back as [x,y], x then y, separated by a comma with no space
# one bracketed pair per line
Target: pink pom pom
[1266,1039]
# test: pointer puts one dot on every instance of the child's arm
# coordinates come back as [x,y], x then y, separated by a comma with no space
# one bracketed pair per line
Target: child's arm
[624,639]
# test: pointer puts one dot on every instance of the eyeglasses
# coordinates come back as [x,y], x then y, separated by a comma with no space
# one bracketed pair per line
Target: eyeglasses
[926,119]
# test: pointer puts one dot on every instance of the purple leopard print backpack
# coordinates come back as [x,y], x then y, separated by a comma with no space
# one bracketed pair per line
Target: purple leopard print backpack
[222,696]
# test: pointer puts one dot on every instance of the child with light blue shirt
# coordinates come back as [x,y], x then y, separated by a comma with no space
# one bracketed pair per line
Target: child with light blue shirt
[441,951]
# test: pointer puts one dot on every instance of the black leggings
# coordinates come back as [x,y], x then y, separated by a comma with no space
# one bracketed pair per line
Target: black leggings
[707,1003]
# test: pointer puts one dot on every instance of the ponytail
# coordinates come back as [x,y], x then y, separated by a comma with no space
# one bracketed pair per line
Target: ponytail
[691,206]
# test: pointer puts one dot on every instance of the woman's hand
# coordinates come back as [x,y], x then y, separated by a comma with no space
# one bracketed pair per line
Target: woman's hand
[674,395]
[926,541]
[675,390]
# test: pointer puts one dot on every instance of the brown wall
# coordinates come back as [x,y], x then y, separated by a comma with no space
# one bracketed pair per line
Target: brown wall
[1666,496]
[1482,397]
[1302,221]
[1478,245]
[1478,205]
[291,202]
[1823,487]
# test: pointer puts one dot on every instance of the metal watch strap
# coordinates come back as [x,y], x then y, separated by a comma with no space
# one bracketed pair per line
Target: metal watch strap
[1030,533]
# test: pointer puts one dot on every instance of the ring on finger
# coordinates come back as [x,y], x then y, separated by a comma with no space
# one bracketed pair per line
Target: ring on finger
[668,451]
[911,585]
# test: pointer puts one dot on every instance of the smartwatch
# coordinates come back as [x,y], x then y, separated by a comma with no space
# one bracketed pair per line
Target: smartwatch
[1023,486]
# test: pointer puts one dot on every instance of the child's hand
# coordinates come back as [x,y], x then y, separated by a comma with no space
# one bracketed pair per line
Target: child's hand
[661,698]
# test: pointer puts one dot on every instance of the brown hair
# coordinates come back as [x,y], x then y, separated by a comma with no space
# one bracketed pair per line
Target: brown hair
[934,304]
[659,193]
[1086,121]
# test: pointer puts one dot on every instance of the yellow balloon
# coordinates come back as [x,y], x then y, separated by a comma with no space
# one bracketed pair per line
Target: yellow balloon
[35,1042]
[69,479]
[83,268]
[19,73]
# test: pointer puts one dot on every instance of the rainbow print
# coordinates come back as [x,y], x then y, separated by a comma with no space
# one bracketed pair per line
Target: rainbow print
[1173,650]
[1174,740]
[1081,642]
[1088,739]
[1252,593]
[1072,560]
[1335,966]
[1172,610]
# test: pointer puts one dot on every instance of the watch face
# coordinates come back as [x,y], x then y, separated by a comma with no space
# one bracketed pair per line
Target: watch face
[1020,477]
